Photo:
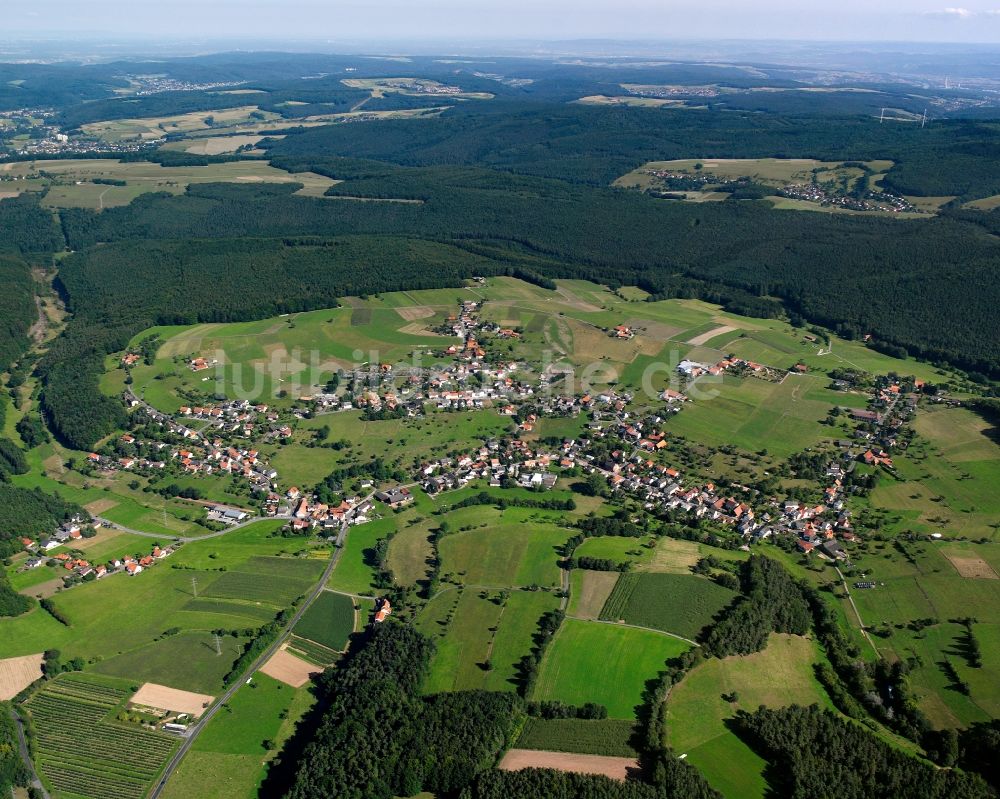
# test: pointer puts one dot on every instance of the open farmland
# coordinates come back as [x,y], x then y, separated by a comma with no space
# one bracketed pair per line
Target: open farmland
[16,674]
[186,661]
[70,183]
[600,662]
[119,760]
[157,127]
[230,758]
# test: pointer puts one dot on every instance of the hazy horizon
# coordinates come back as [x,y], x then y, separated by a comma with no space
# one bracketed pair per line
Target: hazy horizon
[485,21]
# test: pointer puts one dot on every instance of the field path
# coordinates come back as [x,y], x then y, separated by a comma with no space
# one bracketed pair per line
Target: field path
[861,623]
[637,627]
[709,335]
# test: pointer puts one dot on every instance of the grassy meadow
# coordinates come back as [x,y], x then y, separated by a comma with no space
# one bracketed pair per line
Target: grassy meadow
[605,663]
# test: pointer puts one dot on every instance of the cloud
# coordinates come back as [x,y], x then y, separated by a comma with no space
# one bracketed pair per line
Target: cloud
[957,12]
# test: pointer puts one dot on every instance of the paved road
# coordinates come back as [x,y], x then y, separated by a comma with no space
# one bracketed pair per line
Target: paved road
[196,730]
[26,755]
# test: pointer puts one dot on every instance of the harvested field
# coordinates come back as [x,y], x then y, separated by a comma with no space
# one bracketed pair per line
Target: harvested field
[659,331]
[164,698]
[595,587]
[417,329]
[290,670]
[98,506]
[704,338]
[618,768]
[16,674]
[971,566]
[415,312]
[673,556]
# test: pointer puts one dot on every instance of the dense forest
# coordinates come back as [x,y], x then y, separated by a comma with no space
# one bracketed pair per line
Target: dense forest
[771,602]
[814,753]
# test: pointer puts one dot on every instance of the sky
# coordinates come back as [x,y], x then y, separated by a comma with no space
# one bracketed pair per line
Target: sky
[492,20]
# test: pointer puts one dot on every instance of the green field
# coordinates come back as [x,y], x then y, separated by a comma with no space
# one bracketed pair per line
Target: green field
[328,621]
[82,752]
[609,737]
[925,584]
[780,675]
[251,587]
[604,663]
[229,760]
[504,554]
[188,661]
[683,604]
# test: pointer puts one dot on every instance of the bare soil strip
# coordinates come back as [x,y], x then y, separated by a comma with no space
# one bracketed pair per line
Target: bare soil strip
[704,338]
[165,698]
[290,670]
[971,567]
[618,768]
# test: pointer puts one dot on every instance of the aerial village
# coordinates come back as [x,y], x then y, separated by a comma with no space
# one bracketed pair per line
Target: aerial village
[628,448]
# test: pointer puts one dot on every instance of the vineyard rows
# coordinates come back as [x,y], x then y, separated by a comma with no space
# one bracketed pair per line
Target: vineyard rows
[79,751]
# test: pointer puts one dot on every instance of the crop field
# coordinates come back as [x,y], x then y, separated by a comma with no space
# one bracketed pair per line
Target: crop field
[472,628]
[328,621]
[273,589]
[604,663]
[609,737]
[156,127]
[314,653]
[355,571]
[780,675]
[120,614]
[229,760]
[683,604]
[16,674]
[80,752]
